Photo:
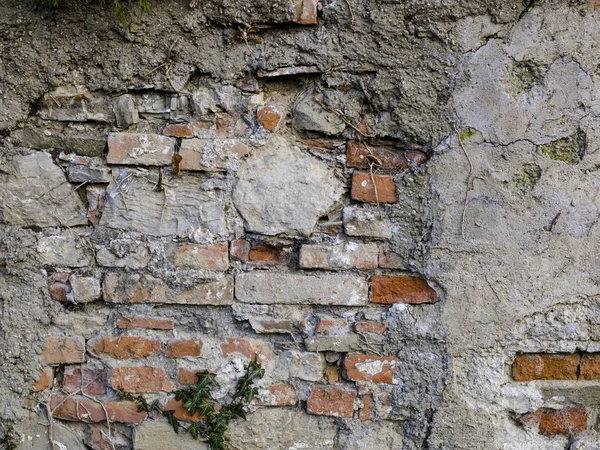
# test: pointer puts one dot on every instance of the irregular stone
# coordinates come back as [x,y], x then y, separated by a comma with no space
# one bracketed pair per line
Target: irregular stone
[96,197]
[305,366]
[249,348]
[140,149]
[141,288]
[276,190]
[73,105]
[271,326]
[367,222]
[212,155]
[152,435]
[154,103]
[278,395]
[204,103]
[294,430]
[87,174]
[64,251]
[351,255]
[342,343]
[309,115]
[126,111]
[372,435]
[386,157]
[180,130]
[65,350]
[85,289]
[197,256]
[41,139]
[182,209]
[36,193]
[287,71]
[100,437]
[306,12]
[123,253]
[296,289]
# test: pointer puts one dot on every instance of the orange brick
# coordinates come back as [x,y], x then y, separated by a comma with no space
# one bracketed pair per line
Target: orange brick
[145,322]
[64,350]
[59,291]
[363,190]
[93,383]
[333,327]
[179,130]
[140,379]
[265,255]
[357,155]
[180,348]
[45,379]
[306,12]
[332,375]
[268,117]
[529,367]
[377,369]
[181,413]
[590,367]
[564,421]
[127,347]
[401,289]
[366,412]
[197,256]
[80,409]
[370,327]
[331,401]
[248,348]
[239,249]
[140,149]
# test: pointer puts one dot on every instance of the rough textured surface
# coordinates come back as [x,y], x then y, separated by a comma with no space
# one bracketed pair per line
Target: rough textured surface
[480,117]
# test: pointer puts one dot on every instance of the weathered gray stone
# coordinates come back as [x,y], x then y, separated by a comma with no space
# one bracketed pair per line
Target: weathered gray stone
[212,155]
[123,253]
[350,255]
[140,149]
[85,289]
[310,116]
[154,435]
[181,209]
[303,365]
[73,105]
[137,288]
[367,222]
[41,138]
[154,103]
[272,288]
[204,103]
[36,192]
[343,343]
[87,174]
[126,111]
[68,251]
[282,190]
[294,430]
[370,436]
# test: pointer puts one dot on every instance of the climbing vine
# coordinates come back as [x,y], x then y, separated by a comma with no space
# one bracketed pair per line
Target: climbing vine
[197,398]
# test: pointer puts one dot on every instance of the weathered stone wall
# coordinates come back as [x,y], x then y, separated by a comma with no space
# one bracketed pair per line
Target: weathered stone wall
[393,206]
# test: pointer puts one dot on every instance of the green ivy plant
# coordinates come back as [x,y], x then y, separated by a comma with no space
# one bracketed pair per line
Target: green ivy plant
[8,441]
[198,398]
[119,6]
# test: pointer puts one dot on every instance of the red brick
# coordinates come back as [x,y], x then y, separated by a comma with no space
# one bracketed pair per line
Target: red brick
[268,117]
[64,350]
[366,412]
[248,348]
[239,249]
[181,413]
[204,129]
[187,376]
[370,327]
[553,422]
[59,291]
[306,12]
[331,401]
[44,380]
[140,149]
[99,437]
[346,256]
[401,289]
[59,277]
[140,379]
[126,347]
[377,369]
[590,367]
[357,155]
[363,190]
[211,155]
[332,327]
[93,383]
[197,256]
[78,409]
[145,322]
[265,255]
[179,130]
[279,395]
[180,348]
[529,367]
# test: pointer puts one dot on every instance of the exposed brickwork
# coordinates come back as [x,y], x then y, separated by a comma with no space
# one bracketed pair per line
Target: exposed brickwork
[349,256]
[401,289]
[195,256]
[82,409]
[590,367]
[249,348]
[366,412]
[553,422]
[140,379]
[140,149]
[268,117]
[370,327]
[279,395]
[529,367]
[386,157]
[126,347]
[180,412]
[331,401]
[179,130]
[378,369]
[93,382]
[145,322]
[363,190]
[45,379]
[180,348]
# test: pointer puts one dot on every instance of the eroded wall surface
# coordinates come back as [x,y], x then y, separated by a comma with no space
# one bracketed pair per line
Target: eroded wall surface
[393,206]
